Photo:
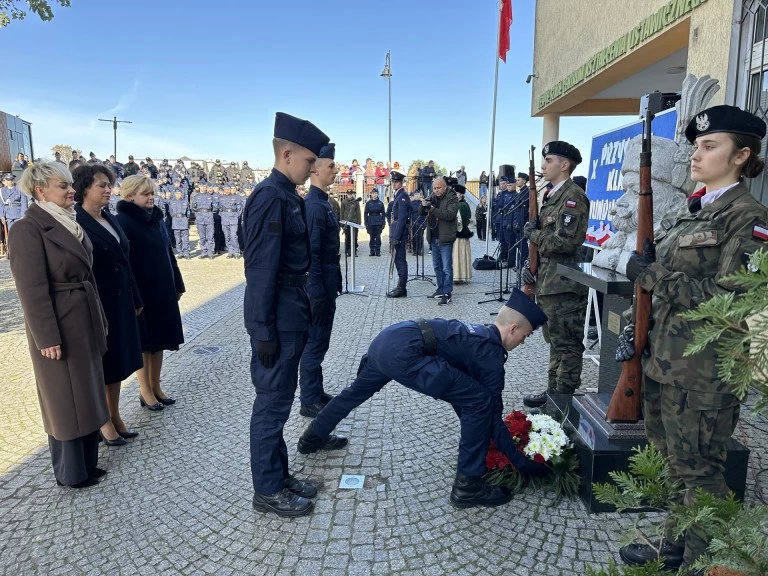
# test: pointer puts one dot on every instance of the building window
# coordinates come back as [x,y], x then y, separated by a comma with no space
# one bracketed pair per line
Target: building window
[754,32]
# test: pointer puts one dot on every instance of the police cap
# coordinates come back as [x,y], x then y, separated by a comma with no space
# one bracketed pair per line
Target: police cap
[521,303]
[503,179]
[560,148]
[523,175]
[7,177]
[396,175]
[328,151]
[725,118]
[301,132]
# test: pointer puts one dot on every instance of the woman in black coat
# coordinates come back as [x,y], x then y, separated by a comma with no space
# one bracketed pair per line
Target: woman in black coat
[117,288]
[159,281]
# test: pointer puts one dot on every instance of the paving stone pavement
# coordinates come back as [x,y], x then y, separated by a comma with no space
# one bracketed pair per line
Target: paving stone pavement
[177,500]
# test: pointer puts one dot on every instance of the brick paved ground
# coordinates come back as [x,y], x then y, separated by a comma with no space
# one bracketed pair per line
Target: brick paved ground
[177,500]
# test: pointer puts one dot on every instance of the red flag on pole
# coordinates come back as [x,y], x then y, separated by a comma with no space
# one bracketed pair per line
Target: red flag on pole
[505,22]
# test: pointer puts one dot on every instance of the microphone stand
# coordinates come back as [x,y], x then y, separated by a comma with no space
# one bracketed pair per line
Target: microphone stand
[501,291]
[424,277]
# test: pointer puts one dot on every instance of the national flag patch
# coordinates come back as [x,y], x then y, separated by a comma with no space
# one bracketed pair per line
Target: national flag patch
[760,233]
[570,203]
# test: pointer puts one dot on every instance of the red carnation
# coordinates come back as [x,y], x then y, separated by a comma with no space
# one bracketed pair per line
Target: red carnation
[538,458]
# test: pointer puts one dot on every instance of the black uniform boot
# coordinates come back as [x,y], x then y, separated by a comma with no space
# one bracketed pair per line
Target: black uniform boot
[536,400]
[398,291]
[471,491]
[311,442]
[283,503]
[670,554]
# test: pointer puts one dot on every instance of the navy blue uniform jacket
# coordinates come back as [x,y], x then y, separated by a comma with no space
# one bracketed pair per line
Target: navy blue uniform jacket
[324,271]
[476,350]
[401,213]
[276,243]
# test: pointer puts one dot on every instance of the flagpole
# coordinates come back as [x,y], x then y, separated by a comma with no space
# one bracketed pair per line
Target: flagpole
[489,219]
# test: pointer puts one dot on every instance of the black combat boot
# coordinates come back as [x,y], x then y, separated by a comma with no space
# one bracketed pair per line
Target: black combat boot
[283,503]
[311,442]
[471,491]
[537,400]
[670,554]
[398,291]
[303,488]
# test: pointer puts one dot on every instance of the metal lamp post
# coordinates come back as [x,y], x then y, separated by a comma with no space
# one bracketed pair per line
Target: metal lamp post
[387,73]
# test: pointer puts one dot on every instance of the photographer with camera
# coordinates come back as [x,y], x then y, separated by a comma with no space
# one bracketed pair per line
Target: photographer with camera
[441,209]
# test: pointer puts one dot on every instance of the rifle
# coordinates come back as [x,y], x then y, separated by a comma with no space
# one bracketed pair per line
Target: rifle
[533,213]
[625,403]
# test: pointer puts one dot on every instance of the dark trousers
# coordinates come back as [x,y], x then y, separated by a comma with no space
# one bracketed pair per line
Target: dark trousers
[417,240]
[375,232]
[219,243]
[348,232]
[275,390]
[401,264]
[481,224]
[74,460]
[310,368]
[400,358]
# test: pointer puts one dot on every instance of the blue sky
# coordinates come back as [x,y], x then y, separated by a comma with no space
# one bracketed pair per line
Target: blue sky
[205,79]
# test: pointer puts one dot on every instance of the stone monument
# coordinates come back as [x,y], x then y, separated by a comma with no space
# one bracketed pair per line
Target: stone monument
[669,175]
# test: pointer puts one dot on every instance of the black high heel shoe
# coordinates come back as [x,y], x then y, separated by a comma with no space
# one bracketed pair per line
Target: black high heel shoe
[167,401]
[128,434]
[119,441]
[152,407]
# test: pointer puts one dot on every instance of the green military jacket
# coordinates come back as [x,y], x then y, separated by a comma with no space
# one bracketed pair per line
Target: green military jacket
[350,211]
[563,218]
[693,256]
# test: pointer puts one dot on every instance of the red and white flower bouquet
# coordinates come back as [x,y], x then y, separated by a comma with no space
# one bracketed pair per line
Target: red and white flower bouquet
[542,439]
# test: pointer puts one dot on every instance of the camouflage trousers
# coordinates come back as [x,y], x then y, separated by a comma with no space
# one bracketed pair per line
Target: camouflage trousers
[564,332]
[691,429]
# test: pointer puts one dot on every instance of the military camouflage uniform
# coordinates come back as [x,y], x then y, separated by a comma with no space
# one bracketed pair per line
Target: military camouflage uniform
[563,218]
[689,411]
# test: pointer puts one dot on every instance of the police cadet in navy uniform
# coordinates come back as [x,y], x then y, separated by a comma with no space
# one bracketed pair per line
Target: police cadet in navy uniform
[398,232]
[520,218]
[323,282]
[230,210]
[451,360]
[202,206]
[15,203]
[179,210]
[374,222]
[277,312]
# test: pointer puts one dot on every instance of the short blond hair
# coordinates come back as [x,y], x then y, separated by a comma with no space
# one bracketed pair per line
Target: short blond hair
[132,185]
[40,173]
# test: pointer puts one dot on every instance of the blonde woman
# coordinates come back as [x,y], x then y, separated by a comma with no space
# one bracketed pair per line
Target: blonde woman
[51,260]
[159,282]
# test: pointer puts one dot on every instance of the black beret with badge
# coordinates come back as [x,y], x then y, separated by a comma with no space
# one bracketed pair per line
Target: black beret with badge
[724,118]
[563,149]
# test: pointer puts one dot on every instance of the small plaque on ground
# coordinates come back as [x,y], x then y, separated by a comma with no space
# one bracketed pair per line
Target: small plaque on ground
[352,481]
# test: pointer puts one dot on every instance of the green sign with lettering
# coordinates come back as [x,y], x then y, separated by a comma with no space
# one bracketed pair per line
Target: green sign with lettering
[668,14]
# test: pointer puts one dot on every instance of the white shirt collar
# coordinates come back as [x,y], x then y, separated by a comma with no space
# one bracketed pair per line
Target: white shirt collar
[710,197]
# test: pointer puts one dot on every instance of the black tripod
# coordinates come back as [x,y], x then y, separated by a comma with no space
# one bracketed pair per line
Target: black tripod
[417,234]
[506,209]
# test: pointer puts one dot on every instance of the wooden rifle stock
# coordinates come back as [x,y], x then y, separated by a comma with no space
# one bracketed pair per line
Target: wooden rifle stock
[625,405]
[533,213]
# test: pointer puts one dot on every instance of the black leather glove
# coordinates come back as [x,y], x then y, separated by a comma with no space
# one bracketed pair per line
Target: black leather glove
[526,275]
[639,262]
[267,351]
[319,308]
[625,345]
[530,227]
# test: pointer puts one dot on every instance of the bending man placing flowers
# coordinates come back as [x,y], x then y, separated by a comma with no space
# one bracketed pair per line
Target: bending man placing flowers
[451,360]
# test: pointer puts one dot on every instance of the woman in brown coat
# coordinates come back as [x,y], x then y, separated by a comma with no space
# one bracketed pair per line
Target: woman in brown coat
[51,261]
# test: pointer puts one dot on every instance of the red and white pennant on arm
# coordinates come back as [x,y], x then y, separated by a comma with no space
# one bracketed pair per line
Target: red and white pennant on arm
[505,23]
